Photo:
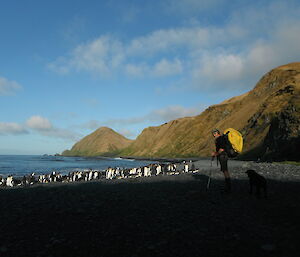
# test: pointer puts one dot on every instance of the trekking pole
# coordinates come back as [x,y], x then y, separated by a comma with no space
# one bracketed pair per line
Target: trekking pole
[209,177]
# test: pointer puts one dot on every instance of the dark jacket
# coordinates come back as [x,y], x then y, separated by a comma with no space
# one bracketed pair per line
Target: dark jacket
[221,143]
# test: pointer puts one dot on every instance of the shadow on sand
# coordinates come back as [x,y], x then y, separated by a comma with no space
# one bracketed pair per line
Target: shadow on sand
[150,217]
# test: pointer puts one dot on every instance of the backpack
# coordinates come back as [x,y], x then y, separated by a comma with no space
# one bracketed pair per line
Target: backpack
[234,142]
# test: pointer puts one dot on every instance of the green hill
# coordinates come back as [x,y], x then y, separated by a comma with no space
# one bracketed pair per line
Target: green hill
[102,142]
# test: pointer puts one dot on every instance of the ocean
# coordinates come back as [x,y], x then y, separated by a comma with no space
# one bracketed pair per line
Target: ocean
[20,165]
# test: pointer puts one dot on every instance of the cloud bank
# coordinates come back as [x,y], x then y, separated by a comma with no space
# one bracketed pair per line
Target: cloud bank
[231,54]
[12,128]
[40,125]
[159,116]
[44,127]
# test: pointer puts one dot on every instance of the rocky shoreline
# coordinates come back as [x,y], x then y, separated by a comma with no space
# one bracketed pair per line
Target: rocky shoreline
[274,171]
[156,216]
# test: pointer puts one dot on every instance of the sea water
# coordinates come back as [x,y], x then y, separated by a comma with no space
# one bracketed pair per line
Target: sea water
[20,165]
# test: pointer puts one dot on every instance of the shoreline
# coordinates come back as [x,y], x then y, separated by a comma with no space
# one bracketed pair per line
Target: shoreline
[204,165]
[237,169]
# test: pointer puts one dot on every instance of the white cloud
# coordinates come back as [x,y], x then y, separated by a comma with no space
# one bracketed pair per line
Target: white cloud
[169,40]
[149,55]
[12,128]
[64,134]
[159,116]
[44,127]
[220,67]
[39,123]
[130,128]
[161,68]
[136,70]
[167,68]
[98,56]
[286,42]
[8,87]
[233,54]
[260,57]
[245,67]
[107,55]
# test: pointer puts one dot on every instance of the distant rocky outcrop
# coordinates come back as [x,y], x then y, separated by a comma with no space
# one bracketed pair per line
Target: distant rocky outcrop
[268,116]
[102,142]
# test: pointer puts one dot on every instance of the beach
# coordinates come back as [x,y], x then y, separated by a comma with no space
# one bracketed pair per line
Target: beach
[156,216]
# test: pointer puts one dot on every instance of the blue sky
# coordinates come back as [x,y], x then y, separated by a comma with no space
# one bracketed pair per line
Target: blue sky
[69,67]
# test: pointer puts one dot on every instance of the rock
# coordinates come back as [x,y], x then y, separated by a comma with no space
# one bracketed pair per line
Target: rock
[246,165]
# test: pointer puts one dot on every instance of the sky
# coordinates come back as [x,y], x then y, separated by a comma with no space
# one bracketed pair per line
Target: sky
[68,67]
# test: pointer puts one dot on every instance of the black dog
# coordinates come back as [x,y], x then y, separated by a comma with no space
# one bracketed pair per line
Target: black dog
[258,181]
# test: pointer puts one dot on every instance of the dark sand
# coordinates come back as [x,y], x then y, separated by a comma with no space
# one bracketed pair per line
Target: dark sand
[155,216]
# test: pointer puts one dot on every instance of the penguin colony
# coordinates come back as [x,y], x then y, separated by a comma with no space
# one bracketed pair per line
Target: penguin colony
[93,175]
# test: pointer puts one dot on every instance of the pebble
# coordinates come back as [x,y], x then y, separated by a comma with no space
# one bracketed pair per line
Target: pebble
[246,165]
[274,171]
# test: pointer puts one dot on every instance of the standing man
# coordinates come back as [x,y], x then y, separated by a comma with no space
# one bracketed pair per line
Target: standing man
[220,153]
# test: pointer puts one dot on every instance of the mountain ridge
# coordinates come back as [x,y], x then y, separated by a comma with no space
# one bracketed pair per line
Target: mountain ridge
[268,116]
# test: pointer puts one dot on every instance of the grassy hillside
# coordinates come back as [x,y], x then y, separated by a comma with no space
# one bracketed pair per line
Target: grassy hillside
[103,141]
[268,117]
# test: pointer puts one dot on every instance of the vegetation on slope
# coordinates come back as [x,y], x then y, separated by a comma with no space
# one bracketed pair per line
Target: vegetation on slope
[268,116]
[102,142]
